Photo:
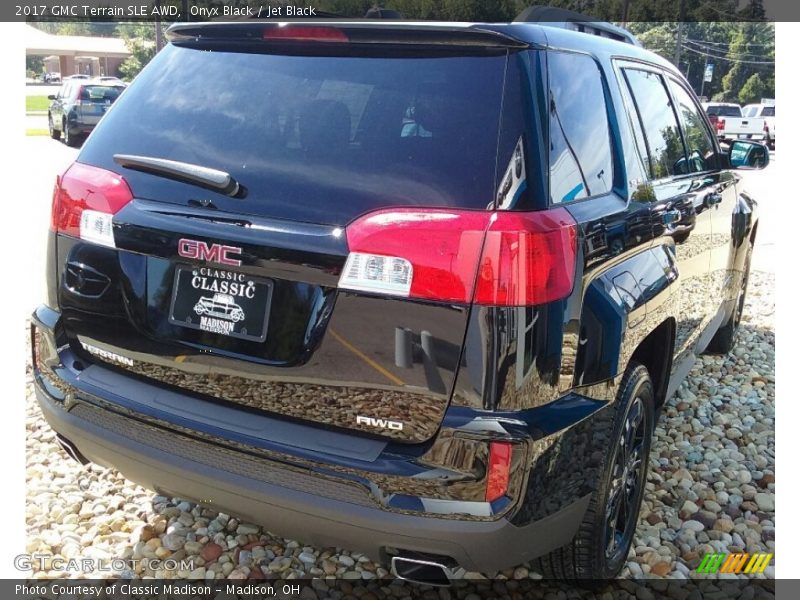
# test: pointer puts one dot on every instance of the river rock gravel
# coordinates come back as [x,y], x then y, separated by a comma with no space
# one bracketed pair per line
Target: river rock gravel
[710,488]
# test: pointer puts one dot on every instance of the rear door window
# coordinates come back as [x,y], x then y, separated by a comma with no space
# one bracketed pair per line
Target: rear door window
[580,148]
[659,123]
[313,138]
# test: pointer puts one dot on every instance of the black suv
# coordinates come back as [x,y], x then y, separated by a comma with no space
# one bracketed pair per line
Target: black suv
[78,107]
[418,290]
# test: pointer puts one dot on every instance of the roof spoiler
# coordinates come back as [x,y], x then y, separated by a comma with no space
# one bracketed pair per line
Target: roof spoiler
[360,32]
[567,19]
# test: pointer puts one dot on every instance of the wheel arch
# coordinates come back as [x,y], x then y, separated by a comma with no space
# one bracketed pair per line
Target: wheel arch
[655,352]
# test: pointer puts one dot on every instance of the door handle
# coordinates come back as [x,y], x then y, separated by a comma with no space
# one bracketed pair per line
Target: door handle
[712,199]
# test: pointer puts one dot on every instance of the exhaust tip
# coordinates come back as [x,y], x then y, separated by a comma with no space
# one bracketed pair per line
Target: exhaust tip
[426,570]
[71,450]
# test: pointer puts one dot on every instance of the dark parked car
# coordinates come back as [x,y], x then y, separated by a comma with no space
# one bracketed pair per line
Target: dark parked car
[78,107]
[472,263]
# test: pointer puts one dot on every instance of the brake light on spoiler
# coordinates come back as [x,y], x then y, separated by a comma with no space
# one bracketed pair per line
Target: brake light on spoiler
[85,199]
[491,258]
[304,33]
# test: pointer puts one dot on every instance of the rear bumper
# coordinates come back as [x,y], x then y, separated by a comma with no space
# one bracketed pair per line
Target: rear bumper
[309,517]
[76,128]
[319,486]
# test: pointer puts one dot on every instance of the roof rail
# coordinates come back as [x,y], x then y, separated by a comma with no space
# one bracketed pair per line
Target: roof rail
[567,19]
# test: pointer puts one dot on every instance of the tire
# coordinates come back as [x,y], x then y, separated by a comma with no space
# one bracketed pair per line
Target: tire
[600,548]
[69,139]
[54,133]
[725,338]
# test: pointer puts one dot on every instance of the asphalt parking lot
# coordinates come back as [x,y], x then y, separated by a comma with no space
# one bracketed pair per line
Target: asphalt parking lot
[710,488]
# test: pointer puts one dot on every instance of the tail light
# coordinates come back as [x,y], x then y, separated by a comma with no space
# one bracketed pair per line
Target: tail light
[528,258]
[500,258]
[85,199]
[720,124]
[305,34]
[498,470]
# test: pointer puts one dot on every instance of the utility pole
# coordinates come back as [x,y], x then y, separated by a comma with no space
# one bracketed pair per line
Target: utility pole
[159,37]
[626,5]
[679,43]
[703,80]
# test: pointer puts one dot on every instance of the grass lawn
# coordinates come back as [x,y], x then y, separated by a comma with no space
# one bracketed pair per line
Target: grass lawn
[33,103]
[37,132]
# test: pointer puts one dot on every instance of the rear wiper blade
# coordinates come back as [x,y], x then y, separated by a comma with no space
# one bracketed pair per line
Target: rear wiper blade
[211,179]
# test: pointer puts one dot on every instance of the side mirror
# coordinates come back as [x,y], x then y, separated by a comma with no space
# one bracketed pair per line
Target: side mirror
[51,97]
[748,155]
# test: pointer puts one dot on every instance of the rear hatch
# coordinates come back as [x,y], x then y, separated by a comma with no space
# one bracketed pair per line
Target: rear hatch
[235,295]
[94,100]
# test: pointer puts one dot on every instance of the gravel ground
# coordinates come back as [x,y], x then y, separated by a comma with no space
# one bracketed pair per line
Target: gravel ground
[710,489]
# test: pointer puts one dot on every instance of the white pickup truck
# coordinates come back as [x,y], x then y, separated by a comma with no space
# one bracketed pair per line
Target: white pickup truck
[729,123]
[766,111]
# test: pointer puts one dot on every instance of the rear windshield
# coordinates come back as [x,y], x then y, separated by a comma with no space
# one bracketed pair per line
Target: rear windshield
[724,111]
[313,138]
[100,93]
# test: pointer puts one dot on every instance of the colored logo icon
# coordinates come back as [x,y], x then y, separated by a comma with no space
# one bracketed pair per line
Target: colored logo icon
[735,563]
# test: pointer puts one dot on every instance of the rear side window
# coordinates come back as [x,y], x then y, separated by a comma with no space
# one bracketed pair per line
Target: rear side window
[661,131]
[699,147]
[320,139]
[769,111]
[580,147]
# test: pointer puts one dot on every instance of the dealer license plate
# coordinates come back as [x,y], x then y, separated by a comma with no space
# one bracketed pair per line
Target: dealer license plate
[221,301]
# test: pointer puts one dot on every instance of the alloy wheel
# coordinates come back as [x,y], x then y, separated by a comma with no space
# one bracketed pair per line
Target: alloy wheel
[626,481]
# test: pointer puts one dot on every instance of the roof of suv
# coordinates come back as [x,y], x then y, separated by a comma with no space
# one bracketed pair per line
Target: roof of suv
[538,35]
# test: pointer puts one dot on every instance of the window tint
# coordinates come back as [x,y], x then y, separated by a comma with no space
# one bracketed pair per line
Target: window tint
[658,120]
[580,148]
[769,111]
[699,147]
[724,111]
[313,138]
[100,93]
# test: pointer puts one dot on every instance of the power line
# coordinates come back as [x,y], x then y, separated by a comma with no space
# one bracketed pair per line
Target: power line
[707,42]
[723,49]
[740,55]
[733,60]
[718,11]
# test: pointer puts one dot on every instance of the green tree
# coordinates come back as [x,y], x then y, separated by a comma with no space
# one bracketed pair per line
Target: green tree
[140,40]
[752,47]
[142,51]
[34,66]
[753,90]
